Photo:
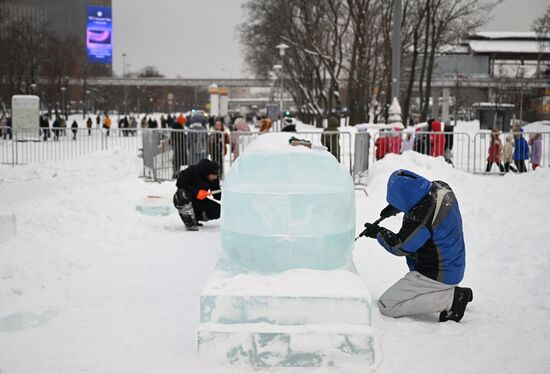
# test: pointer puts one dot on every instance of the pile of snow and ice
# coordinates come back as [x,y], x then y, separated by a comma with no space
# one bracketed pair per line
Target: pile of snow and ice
[90,284]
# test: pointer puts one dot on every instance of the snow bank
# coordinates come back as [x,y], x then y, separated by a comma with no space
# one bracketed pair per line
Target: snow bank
[506,234]
[90,284]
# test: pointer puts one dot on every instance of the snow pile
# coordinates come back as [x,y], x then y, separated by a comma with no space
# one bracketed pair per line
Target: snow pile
[541,126]
[506,232]
[90,284]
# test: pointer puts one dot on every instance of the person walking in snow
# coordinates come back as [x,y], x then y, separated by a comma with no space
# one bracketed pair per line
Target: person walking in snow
[74,129]
[382,145]
[239,126]
[437,140]
[107,124]
[56,126]
[89,126]
[217,144]
[508,155]
[521,150]
[495,151]
[45,127]
[432,241]
[195,184]
[535,155]
[331,136]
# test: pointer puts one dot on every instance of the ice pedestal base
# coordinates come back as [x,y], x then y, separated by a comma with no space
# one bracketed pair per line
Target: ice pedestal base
[296,318]
[156,206]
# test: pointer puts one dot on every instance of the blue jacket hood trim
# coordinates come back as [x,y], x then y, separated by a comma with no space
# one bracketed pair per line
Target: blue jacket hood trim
[406,189]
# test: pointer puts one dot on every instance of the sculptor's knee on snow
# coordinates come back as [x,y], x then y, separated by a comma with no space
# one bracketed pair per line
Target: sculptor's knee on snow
[389,308]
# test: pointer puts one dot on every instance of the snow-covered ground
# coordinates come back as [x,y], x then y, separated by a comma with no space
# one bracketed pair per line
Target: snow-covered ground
[91,285]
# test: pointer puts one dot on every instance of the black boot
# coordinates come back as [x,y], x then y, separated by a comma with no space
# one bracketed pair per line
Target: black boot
[461,298]
[186,211]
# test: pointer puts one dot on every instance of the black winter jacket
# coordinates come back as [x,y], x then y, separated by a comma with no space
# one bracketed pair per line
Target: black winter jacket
[195,178]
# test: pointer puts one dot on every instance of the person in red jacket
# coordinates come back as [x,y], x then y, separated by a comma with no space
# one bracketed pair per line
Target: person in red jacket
[437,141]
[382,145]
[495,152]
[395,141]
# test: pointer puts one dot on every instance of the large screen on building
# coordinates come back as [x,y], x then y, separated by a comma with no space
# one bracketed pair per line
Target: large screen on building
[99,35]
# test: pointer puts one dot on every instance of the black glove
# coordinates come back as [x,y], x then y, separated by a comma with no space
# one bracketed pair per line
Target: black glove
[389,211]
[371,230]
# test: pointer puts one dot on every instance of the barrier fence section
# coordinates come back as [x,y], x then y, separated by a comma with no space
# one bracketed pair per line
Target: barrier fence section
[26,146]
[166,151]
[453,146]
[496,153]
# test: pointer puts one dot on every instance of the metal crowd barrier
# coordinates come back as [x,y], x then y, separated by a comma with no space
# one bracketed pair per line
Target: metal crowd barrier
[454,147]
[166,151]
[484,154]
[58,144]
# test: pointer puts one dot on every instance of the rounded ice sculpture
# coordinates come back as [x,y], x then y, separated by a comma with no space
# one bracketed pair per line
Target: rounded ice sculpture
[287,207]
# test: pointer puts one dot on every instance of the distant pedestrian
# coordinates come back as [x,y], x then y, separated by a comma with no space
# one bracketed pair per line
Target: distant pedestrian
[508,155]
[265,125]
[178,139]
[437,140]
[74,127]
[217,144]
[56,126]
[331,136]
[536,150]
[395,141]
[63,123]
[521,150]
[45,128]
[408,142]
[495,152]
[382,145]
[89,125]
[98,121]
[107,123]
[239,126]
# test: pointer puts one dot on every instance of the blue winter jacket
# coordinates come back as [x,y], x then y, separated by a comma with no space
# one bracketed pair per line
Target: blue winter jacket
[521,148]
[431,236]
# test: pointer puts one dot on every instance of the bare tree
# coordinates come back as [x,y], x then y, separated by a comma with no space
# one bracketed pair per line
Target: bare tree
[541,26]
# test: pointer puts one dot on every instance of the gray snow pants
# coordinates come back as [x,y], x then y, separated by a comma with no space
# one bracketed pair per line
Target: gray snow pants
[416,294]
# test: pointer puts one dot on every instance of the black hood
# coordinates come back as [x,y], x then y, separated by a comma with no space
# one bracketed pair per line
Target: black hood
[207,167]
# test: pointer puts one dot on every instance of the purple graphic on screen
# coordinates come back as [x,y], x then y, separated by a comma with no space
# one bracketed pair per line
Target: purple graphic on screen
[99,38]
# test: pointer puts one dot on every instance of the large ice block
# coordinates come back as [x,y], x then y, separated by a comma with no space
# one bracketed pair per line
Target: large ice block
[287,207]
[297,318]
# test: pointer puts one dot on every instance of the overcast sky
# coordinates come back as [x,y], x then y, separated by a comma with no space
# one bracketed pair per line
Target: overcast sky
[197,38]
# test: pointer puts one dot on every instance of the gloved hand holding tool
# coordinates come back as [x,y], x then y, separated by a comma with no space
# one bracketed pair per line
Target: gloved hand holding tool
[372,229]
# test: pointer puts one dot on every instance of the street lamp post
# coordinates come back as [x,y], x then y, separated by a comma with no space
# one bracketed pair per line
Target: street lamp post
[123,76]
[278,72]
[63,103]
[521,72]
[282,50]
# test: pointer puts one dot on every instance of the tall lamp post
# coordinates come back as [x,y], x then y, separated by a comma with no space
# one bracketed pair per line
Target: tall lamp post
[282,50]
[278,73]
[63,104]
[123,76]
[521,72]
